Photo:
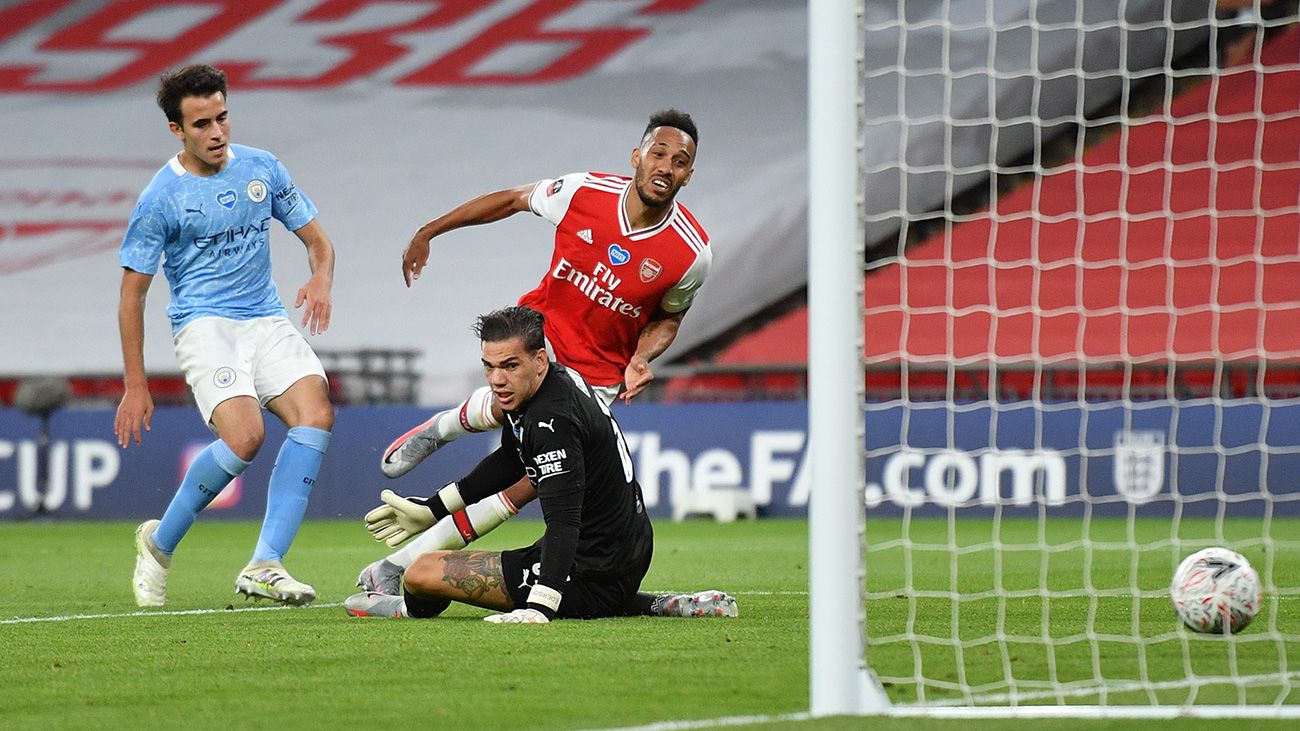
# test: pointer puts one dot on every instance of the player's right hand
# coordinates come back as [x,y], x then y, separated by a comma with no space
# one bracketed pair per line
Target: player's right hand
[135,409]
[316,295]
[636,377]
[519,616]
[415,257]
[399,518]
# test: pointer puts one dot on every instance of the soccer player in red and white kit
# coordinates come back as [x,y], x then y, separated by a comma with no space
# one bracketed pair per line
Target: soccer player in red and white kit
[627,263]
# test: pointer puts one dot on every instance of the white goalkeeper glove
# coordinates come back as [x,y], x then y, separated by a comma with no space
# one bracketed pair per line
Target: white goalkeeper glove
[519,616]
[399,518]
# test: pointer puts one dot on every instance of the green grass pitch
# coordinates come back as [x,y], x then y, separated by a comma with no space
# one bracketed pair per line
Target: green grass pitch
[318,668]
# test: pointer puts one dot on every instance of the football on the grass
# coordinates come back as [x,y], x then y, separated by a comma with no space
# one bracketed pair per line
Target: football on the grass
[1215,591]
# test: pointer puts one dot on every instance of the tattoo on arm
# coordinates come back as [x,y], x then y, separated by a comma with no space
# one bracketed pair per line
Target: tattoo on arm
[474,573]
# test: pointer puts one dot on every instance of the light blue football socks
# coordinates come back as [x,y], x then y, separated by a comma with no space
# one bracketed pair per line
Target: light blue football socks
[208,474]
[291,481]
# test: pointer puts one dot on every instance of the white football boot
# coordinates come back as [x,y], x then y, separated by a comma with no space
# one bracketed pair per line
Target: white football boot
[269,579]
[412,448]
[374,604]
[151,566]
[382,577]
[703,604]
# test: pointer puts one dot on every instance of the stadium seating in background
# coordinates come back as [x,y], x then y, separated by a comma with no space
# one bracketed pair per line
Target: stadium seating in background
[1054,256]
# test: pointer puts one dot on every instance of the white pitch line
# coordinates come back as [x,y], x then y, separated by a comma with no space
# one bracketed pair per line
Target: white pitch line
[144,613]
[712,722]
[190,612]
[1005,699]
[734,593]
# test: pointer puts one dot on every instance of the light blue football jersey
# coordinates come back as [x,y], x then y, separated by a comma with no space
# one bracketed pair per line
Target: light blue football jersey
[212,235]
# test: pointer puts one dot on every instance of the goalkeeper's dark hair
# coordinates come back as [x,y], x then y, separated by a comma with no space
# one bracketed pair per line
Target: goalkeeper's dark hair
[674,118]
[198,79]
[506,323]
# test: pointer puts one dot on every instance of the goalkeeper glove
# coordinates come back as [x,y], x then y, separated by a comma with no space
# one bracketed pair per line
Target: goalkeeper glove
[542,603]
[399,518]
[519,616]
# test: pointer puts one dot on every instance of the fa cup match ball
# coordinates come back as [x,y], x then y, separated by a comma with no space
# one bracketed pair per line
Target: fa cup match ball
[1215,591]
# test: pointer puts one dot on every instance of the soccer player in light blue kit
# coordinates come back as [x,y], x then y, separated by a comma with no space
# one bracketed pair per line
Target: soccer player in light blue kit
[206,214]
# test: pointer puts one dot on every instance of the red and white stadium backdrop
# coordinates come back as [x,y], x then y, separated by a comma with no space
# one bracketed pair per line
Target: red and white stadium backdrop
[119,44]
[386,113]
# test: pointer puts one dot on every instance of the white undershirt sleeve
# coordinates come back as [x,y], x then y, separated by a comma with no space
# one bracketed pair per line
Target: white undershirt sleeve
[683,293]
[550,198]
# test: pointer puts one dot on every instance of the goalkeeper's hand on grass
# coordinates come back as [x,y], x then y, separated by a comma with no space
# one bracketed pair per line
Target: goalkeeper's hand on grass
[527,615]
[399,518]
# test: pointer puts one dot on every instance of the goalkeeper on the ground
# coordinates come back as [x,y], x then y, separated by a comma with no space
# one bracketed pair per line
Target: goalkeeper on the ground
[598,541]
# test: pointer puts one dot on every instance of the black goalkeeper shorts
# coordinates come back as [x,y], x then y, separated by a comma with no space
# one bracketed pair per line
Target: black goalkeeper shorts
[583,597]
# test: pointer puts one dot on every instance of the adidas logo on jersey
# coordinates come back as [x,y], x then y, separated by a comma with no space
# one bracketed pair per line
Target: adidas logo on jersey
[585,235]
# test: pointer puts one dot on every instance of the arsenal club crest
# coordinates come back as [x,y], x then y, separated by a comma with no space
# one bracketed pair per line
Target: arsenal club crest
[650,270]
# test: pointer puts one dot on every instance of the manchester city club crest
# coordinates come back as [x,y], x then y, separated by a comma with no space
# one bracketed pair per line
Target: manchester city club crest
[1139,469]
[256,191]
[223,377]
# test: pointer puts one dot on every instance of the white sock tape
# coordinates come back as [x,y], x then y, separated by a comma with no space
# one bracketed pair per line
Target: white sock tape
[545,596]
[451,499]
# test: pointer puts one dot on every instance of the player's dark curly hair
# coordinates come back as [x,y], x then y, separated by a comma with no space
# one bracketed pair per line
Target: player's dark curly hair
[194,80]
[524,323]
[676,119]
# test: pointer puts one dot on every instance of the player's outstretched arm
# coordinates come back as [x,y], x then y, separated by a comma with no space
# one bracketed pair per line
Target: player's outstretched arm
[401,518]
[486,208]
[136,407]
[316,292]
[658,334]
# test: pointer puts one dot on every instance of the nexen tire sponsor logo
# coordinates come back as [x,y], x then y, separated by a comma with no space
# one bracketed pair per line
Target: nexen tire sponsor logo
[588,285]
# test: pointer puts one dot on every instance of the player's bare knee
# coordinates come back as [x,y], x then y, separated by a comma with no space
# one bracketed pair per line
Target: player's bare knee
[245,444]
[423,576]
[319,416]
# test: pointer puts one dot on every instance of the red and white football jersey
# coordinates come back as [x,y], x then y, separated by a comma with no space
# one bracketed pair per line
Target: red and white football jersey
[606,280]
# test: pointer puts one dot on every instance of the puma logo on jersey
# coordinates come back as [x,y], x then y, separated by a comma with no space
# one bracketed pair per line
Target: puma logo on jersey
[547,425]
[198,210]
[585,235]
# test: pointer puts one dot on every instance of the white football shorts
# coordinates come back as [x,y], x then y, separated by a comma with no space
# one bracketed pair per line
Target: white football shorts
[224,358]
[606,393]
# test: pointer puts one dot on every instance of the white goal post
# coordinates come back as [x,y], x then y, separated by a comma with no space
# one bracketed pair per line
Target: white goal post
[1079,228]
[838,680]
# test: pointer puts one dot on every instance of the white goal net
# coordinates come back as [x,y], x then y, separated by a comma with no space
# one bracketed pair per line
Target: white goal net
[1083,347]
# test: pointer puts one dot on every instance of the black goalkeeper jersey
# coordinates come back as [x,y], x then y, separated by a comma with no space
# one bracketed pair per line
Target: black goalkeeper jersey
[574,454]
